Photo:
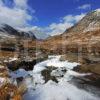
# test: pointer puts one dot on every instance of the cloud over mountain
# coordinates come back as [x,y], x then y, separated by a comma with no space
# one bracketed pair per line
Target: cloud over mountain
[66,22]
[19,14]
[85,6]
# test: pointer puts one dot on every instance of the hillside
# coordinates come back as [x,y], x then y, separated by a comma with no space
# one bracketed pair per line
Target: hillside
[86,33]
[7,31]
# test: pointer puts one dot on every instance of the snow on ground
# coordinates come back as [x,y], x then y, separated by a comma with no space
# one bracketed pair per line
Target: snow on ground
[58,72]
[73,73]
[38,78]
[63,90]
[53,61]
[2,81]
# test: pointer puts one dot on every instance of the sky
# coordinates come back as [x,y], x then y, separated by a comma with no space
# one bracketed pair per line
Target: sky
[45,17]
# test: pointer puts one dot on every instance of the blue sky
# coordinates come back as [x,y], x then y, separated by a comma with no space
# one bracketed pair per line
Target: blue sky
[48,11]
[42,17]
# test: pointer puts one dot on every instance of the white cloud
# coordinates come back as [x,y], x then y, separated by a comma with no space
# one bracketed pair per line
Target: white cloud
[18,16]
[85,6]
[72,18]
[55,28]
[39,32]
[1,2]
[21,3]
[65,23]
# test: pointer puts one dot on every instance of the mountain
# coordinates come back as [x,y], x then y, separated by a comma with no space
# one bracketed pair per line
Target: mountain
[8,31]
[84,34]
[89,23]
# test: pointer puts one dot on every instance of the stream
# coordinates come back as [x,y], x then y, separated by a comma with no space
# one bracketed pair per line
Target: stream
[54,79]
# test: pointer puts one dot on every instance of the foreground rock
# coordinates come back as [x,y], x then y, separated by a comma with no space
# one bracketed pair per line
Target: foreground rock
[94,69]
[9,91]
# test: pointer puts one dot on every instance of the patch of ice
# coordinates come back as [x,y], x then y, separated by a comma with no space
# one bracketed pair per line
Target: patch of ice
[19,73]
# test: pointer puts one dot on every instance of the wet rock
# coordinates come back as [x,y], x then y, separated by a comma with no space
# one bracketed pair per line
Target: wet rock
[13,65]
[19,79]
[93,68]
[27,65]
[58,72]
[47,74]
[21,64]
[94,78]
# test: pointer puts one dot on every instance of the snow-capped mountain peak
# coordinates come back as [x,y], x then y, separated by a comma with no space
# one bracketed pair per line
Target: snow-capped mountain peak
[7,30]
[97,10]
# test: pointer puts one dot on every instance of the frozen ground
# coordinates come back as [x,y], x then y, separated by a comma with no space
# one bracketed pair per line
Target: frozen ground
[63,90]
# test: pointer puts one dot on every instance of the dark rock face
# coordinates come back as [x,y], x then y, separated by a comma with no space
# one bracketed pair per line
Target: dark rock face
[47,75]
[6,29]
[23,64]
[27,65]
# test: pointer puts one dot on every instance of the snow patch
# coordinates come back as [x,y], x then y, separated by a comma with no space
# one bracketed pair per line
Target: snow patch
[54,61]
[61,91]
[2,81]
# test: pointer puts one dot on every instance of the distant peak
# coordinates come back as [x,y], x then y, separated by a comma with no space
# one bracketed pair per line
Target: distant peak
[97,10]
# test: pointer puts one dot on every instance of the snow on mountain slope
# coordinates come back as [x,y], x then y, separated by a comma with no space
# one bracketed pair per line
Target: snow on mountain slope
[8,31]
